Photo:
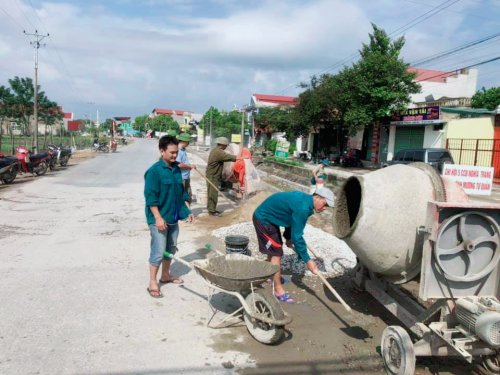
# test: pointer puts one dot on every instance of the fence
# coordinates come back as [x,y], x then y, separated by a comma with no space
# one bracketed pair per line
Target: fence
[479,152]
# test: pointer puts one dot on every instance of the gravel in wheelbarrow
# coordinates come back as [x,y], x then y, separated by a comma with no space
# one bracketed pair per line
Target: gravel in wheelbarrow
[235,272]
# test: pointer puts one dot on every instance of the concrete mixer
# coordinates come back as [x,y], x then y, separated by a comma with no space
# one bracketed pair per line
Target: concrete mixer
[406,223]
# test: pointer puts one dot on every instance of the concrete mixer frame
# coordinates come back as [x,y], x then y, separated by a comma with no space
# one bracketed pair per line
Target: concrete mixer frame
[435,329]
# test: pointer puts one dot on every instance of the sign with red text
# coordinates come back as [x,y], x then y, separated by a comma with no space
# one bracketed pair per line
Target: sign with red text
[474,180]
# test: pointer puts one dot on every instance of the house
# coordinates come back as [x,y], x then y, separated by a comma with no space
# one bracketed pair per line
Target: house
[265,101]
[423,123]
[180,116]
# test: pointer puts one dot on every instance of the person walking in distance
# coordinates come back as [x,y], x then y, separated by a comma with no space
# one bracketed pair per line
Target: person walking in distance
[290,210]
[184,165]
[216,160]
[165,206]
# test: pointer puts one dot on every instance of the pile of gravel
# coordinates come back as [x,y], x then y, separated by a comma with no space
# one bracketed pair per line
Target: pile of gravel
[338,258]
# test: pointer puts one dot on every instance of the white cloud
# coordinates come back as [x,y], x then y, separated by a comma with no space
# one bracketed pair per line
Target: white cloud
[130,63]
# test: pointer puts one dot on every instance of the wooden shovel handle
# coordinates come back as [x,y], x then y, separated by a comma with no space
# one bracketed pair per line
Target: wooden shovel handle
[329,286]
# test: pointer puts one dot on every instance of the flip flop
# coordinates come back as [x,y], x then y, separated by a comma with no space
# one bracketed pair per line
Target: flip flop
[285,297]
[155,293]
[174,280]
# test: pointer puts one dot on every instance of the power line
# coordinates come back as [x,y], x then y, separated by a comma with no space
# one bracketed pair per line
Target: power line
[454,50]
[13,19]
[437,9]
[25,15]
[455,70]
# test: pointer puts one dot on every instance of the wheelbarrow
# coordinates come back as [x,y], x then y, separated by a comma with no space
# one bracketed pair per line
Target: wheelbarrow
[239,275]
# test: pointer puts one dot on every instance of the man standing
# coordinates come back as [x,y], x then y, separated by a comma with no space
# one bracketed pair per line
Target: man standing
[289,210]
[184,165]
[216,160]
[165,206]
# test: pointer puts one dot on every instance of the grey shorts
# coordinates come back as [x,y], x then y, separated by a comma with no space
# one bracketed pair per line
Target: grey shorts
[162,241]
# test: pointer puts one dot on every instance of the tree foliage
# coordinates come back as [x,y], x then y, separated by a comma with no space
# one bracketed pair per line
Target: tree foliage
[358,96]
[164,123]
[141,123]
[486,98]
[273,118]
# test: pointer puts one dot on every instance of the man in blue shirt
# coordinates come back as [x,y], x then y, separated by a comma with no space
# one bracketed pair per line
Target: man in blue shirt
[290,210]
[184,165]
[165,206]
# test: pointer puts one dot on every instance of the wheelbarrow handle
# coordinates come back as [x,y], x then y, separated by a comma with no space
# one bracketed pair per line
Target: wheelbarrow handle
[168,255]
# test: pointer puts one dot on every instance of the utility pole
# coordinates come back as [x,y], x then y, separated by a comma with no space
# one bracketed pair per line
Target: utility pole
[36,39]
[242,128]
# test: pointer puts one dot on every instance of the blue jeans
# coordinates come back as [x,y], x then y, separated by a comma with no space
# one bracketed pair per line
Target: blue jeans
[161,241]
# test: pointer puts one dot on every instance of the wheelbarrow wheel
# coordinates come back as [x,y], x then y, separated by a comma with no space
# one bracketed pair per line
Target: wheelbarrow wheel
[269,306]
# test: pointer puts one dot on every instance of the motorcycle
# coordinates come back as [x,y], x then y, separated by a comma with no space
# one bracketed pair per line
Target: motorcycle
[32,163]
[9,166]
[101,147]
[58,154]
[114,145]
[351,158]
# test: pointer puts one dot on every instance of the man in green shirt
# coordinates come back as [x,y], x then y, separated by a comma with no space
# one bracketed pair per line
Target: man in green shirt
[165,206]
[216,160]
[289,210]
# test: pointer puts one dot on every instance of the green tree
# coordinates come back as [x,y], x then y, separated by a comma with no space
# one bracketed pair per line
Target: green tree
[141,123]
[6,99]
[381,83]
[489,99]
[106,125]
[164,123]
[274,118]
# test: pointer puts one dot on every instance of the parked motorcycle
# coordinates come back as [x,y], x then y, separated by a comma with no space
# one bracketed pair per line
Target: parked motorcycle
[58,154]
[101,147]
[351,158]
[32,163]
[9,166]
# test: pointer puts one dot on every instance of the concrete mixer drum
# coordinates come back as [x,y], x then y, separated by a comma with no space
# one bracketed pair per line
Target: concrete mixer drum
[466,248]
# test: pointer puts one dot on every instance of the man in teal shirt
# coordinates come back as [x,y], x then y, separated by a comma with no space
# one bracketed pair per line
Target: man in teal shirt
[165,206]
[290,210]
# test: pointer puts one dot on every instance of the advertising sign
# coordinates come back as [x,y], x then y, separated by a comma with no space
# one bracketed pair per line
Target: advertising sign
[74,125]
[417,116]
[235,138]
[282,148]
[474,180]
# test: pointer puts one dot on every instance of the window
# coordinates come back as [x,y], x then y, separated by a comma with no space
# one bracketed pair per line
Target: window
[409,156]
[437,156]
[419,156]
[399,155]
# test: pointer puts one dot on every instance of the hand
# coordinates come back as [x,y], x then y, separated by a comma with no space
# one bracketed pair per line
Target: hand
[193,166]
[289,244]
[161,224]
[311,266]
[190,218]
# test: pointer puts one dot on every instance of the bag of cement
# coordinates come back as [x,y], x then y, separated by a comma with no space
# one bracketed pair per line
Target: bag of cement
[252,179]
[228,167]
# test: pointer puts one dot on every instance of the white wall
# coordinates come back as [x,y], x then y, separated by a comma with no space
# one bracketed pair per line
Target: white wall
[462,85]
[434,138]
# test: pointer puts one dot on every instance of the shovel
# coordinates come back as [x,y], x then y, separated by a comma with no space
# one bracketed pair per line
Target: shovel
[329,286]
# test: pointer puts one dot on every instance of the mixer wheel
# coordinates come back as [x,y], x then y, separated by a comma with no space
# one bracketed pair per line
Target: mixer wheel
[491,364]
[397,351]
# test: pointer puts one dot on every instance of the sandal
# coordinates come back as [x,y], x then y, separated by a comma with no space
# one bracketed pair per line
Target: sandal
[155,293]
[173,280]
[285,297]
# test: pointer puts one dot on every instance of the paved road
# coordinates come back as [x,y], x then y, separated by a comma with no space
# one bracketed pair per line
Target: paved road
[73,277]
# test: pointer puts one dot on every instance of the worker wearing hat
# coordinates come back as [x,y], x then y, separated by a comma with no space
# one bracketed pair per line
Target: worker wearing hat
[290,210]
[184,165]
[216,160]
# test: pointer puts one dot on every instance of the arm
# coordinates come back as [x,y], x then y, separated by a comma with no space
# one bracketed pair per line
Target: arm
[299,219]
[151,194]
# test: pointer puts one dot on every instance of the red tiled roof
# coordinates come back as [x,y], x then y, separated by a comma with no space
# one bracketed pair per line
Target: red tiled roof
[430,75]
[277,99]
[160,111]
[68,115]
[121,118]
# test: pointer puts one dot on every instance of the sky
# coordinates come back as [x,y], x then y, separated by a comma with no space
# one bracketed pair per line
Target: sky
[126,57]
